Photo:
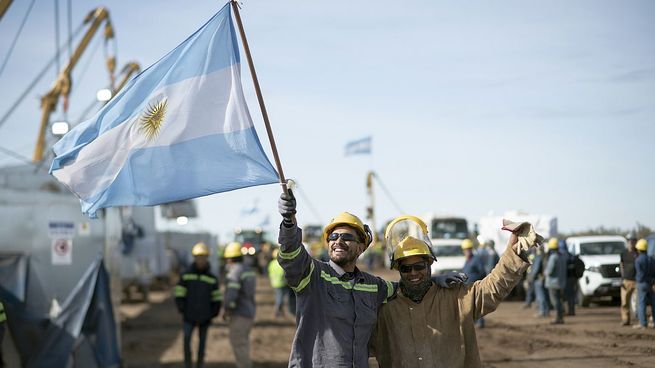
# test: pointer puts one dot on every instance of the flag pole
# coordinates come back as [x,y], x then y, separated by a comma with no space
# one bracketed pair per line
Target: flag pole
[260,98]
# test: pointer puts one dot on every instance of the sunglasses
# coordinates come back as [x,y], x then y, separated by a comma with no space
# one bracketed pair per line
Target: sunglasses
[344,236]
[416,267]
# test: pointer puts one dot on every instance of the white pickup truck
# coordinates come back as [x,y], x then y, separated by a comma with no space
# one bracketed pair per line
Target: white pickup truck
[601,256]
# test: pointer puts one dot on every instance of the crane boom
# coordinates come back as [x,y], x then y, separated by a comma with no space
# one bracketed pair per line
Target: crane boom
[128,70]
[4,5]
[62,85]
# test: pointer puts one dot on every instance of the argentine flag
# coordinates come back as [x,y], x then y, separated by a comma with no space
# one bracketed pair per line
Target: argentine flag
[180,129]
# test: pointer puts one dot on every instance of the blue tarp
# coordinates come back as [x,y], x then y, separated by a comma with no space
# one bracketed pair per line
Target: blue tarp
[86,319]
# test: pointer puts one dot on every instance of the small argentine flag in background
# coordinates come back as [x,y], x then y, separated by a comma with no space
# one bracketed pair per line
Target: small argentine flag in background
[180,129]
[359,147]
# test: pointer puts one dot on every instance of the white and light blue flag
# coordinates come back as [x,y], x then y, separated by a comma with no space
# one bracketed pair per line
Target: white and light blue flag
[180,129]
[359,147]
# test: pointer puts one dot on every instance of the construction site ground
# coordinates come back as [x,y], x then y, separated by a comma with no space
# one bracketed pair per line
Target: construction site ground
[152,337]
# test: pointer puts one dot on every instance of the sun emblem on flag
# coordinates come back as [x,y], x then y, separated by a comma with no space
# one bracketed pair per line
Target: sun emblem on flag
[152,119]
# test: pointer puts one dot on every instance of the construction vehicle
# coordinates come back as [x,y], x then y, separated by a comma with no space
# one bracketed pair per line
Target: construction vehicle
[446,235]
[127,72]
[4,5]
[446,227]
[251,241]
[63,84]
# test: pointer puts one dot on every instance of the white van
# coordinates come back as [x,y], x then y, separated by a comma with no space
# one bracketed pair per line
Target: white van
[601,256]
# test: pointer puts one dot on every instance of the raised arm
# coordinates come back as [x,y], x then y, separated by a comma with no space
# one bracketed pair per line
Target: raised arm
[298,265]
[483,296]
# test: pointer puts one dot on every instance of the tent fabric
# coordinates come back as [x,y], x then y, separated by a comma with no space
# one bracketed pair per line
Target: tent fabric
[86,317]
[13,274]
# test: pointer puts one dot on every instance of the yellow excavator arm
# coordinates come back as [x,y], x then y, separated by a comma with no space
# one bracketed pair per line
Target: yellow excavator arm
[63,83]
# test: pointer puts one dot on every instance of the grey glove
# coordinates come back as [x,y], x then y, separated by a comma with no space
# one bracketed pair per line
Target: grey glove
[450,279]
[286,205]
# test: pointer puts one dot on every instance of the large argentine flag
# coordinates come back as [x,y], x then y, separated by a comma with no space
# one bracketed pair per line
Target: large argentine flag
[180,129]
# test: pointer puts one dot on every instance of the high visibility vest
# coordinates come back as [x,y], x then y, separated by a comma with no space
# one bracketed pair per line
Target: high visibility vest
[276,274]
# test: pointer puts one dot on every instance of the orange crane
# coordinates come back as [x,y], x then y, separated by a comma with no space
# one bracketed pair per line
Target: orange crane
[62,85]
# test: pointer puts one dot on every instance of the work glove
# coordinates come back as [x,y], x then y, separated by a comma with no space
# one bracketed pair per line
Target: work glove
[450,279]
[523,237]
[286,205]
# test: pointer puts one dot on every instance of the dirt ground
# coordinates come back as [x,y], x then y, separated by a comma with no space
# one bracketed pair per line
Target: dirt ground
[152,337]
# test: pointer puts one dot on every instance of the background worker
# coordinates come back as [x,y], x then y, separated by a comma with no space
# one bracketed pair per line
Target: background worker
[556,278]
[528,284]
[574,271]
[569,290]
[474,268]
[490,257]
[473,264]
[645,277]
[425,325]
[628,274]
[282,290]
[538,275]
[198,299]
[239,303]
[3,319]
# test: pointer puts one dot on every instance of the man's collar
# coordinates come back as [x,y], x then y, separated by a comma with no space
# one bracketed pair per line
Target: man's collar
[336,268]
[340,271]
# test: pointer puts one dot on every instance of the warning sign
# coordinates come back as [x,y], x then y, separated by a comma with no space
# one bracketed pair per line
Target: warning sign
[62,251]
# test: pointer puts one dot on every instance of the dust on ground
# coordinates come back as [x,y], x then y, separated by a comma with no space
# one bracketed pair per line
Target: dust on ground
[152,337]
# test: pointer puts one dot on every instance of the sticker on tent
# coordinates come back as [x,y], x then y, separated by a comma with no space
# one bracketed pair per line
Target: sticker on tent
[61,229]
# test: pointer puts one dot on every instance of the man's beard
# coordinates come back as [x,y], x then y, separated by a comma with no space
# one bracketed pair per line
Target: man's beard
[344,259]
[416,292]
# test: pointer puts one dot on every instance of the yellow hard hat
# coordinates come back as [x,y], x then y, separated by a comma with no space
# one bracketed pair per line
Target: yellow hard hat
[553,243]
[345,218]
[642,245]
[407,236]
[200,249]
[467,244]
[233,250]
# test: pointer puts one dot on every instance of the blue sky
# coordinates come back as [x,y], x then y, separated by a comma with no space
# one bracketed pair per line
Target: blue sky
[474,106]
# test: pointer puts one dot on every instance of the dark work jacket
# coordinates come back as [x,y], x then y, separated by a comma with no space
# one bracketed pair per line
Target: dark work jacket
[474,269]
[645,267]
[335,317]
[197,295]
[628,271]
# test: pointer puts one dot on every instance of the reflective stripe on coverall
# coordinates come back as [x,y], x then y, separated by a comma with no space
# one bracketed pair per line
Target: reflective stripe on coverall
[334,318]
